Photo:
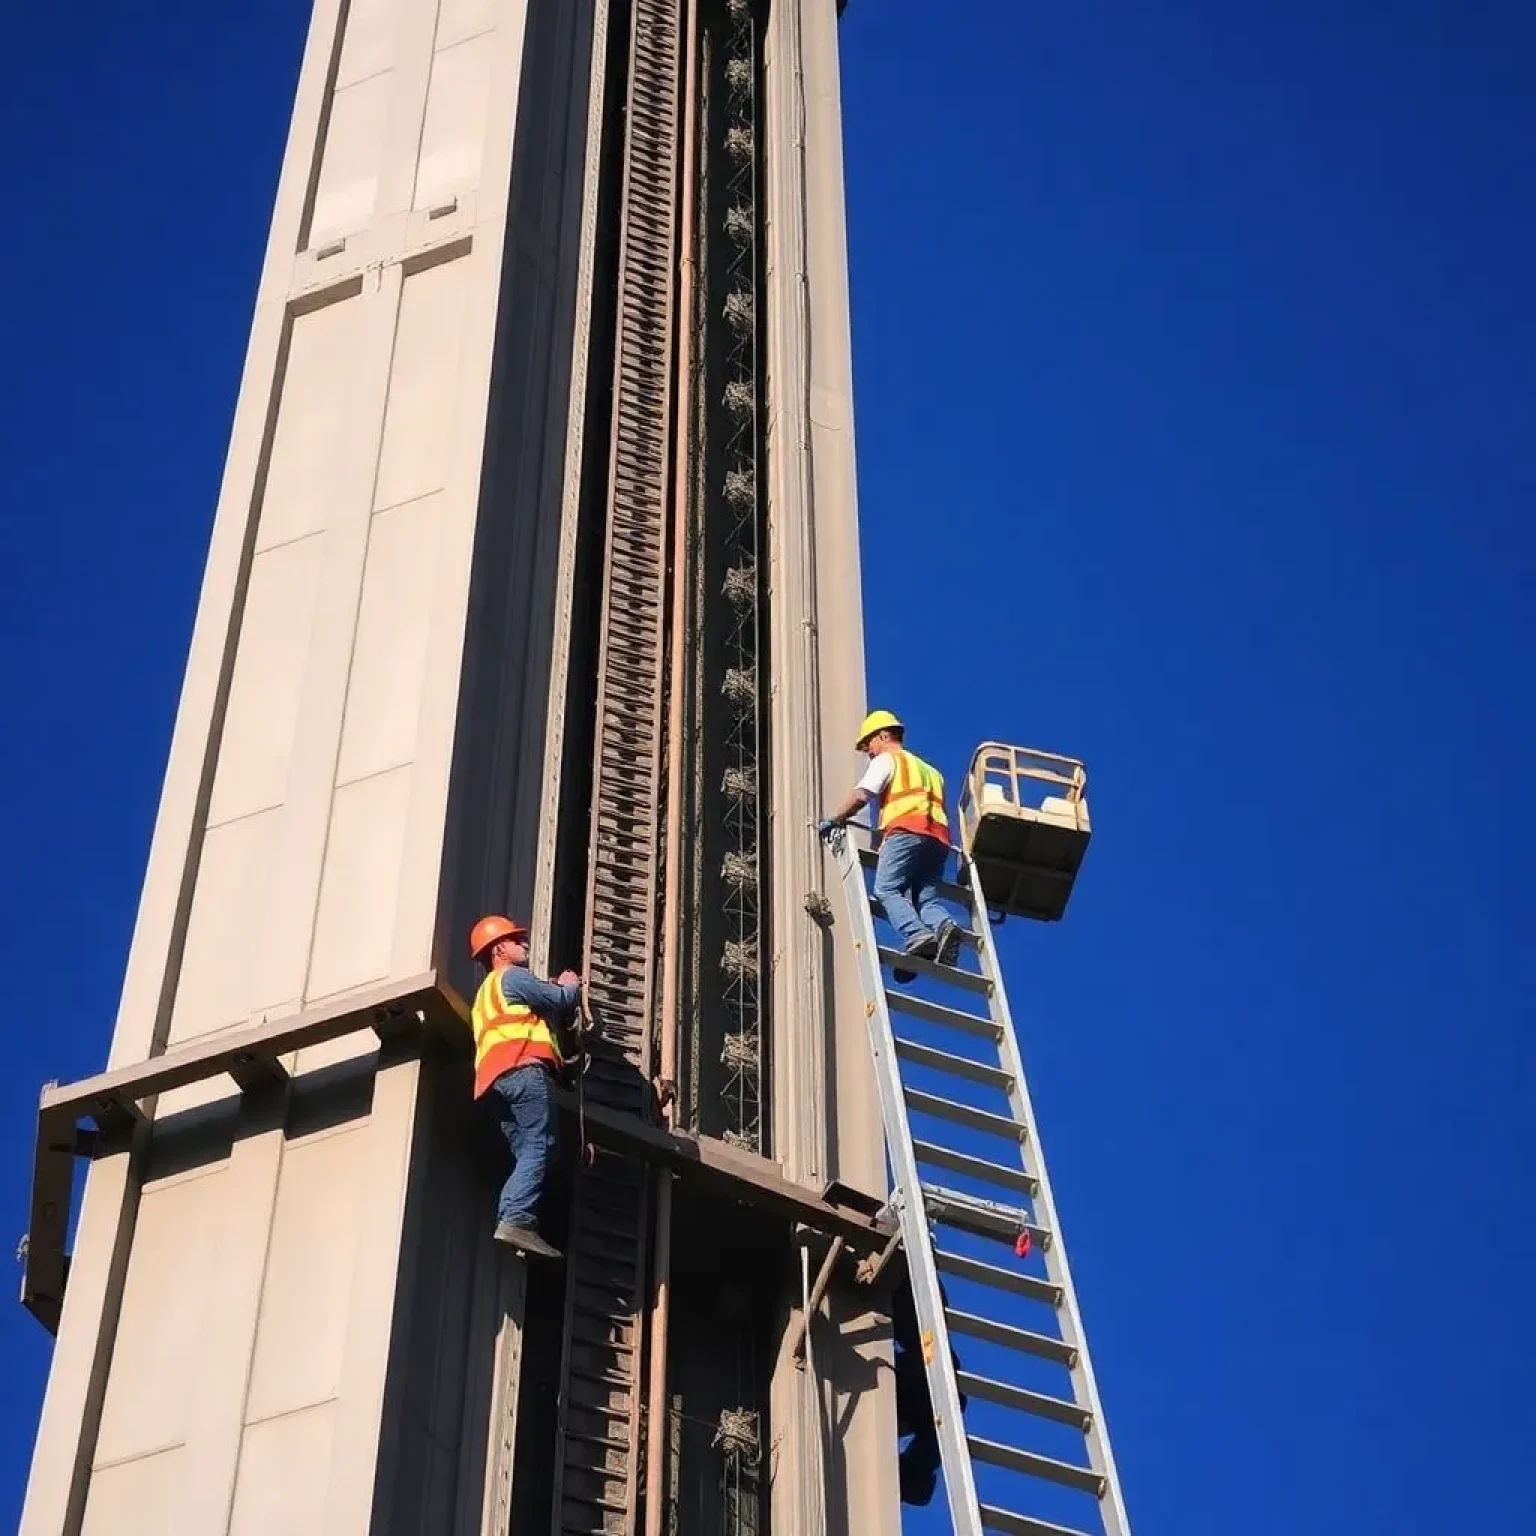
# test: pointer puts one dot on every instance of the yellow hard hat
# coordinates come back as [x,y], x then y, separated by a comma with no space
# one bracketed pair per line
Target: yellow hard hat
[876,720]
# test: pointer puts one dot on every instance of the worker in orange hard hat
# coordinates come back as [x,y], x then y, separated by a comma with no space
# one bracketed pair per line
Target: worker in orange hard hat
[914,838]
[518,1022]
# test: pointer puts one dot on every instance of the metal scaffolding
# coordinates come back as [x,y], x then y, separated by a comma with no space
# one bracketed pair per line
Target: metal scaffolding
[736,494]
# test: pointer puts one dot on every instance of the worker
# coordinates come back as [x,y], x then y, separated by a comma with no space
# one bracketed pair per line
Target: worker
[914,838]
[518,1023]
[917,1466]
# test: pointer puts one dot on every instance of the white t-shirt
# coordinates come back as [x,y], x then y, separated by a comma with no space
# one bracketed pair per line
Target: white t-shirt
[881,770]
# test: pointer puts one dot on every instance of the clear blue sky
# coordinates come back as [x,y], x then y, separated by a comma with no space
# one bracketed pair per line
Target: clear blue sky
[1196,375]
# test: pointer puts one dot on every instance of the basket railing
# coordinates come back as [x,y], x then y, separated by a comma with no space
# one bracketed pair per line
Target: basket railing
[1022,780]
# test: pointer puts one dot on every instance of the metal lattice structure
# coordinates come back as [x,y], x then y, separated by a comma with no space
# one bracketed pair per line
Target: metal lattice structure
[736,498]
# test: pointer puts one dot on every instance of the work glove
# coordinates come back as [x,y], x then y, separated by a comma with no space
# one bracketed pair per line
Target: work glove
[826,827]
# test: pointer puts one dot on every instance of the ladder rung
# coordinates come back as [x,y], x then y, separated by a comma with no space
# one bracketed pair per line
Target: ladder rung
[959,894]
[986,1218]
[1033,1465]
[952,975]
[956,1066]
[1010,1337]
[976,1167]
[1001,1279]
[1037,1403]
[951,1018]
[963,1114]
[1010,1524]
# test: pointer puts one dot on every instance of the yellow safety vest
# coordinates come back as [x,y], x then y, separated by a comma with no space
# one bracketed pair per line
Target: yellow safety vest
[914,799]
[507,1035]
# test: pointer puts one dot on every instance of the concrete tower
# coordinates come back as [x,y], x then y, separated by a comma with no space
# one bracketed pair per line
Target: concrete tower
[533,585]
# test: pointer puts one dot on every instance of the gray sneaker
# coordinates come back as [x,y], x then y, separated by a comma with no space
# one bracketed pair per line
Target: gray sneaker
[525,1241]
[922,946]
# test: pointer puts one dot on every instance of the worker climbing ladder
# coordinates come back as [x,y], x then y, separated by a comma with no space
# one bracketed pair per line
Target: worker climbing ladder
[1051,1451]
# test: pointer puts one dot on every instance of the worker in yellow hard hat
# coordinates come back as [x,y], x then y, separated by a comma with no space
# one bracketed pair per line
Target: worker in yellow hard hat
[914,838]
[518,1023]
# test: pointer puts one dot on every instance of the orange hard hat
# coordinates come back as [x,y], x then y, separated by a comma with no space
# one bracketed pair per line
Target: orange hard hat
[489,929]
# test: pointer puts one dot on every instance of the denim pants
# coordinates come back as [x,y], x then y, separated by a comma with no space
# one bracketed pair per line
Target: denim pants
[524,1102]
[907,882]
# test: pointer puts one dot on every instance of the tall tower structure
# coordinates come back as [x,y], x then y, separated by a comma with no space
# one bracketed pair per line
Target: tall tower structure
[532,585]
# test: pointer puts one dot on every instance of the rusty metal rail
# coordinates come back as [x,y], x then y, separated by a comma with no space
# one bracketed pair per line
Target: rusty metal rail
[597,1462]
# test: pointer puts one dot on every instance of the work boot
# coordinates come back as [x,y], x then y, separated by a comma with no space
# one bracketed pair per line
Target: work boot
[525,1241]
[924,946]
[948,939]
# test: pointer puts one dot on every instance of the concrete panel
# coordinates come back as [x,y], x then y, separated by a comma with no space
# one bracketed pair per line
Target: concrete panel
[56,1490]
[836,1473]
[136,1498]
[280,1486]
[453,136]
[66,1432]
[215,987]
[282,945]
[264,693]
[301,466]
[387,1167]
[233,1277]
[459,19]
[301,1337]
[167,1307]
[419,415]
[350,162]
[389,652]
[369,41]
[360,883]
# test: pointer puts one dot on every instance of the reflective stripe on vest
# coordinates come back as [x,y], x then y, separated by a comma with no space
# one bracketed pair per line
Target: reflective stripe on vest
[914,799]
[506,1036]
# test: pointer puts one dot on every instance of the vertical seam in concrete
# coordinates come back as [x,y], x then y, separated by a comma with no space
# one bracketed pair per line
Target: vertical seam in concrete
[431,829]
[390,1147]
[216,1432]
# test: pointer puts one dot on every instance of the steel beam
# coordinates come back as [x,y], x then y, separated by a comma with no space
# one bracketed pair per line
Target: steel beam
[426,1005]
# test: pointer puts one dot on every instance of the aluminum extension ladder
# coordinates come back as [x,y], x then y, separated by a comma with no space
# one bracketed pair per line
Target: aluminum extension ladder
[1060,1485]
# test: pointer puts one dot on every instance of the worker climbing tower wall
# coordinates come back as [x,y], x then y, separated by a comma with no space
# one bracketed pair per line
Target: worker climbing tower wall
[283,1310]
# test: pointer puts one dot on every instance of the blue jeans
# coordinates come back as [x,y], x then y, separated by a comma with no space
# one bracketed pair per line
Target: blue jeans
[907,882]
[524,1102]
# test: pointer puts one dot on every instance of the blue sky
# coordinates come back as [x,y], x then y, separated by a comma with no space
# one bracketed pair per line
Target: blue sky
[1195,373]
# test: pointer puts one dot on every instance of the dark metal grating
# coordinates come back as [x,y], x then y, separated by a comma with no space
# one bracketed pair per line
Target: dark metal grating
[598,1450]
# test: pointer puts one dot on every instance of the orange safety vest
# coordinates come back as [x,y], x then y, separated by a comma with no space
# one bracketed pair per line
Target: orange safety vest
[507,1036]
[914,799]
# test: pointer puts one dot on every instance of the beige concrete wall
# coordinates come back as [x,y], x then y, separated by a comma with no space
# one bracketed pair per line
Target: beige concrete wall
[837,1471]
[249,1290]
[288,1318]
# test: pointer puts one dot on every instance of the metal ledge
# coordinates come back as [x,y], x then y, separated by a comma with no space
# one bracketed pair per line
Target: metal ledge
[425,1007]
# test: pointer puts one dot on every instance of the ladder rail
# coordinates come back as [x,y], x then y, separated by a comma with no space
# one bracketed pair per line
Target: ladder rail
[1084,1383]
[938,1362]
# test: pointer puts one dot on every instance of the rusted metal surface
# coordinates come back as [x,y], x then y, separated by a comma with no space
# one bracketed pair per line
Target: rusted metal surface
[598,1449]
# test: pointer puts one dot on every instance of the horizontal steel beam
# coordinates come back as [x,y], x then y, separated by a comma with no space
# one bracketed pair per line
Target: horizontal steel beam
[729,1171]
[424,1007]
